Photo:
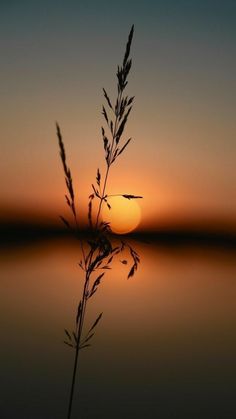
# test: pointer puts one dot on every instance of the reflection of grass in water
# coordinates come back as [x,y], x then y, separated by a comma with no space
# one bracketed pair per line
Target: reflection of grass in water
[98,252]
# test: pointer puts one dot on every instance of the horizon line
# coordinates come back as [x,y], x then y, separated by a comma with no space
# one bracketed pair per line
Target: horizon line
[22,233]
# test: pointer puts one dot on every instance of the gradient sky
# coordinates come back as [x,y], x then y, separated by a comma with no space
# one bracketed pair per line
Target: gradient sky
[55,58]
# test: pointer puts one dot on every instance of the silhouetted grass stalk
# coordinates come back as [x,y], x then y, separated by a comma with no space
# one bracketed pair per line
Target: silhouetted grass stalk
[100,253]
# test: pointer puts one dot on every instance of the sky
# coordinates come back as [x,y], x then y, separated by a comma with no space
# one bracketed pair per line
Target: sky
[56,56]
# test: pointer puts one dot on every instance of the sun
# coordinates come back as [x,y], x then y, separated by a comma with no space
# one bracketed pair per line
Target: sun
[124,215]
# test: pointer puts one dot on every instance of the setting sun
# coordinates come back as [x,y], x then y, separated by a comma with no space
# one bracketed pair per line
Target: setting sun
[124,215]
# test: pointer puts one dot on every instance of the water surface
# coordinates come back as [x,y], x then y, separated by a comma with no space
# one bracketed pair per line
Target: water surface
[165,347]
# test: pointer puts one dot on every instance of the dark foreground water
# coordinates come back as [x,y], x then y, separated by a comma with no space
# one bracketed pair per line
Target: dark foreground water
[165,348]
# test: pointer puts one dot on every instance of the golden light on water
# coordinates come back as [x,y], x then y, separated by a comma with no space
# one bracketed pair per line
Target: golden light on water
[124,215]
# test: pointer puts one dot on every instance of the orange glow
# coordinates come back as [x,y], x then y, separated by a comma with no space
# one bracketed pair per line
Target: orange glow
[124,215]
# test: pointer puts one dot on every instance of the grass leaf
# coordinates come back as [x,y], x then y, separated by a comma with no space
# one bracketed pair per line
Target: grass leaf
[132,196]
[65,221]
[95,323]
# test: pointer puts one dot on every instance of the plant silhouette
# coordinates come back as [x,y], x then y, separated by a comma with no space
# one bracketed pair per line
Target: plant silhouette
[98,251]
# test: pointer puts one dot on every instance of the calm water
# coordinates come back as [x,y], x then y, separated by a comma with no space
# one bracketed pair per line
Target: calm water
[165,348]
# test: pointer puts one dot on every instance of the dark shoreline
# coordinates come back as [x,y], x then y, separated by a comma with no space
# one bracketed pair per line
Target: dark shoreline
[20,234]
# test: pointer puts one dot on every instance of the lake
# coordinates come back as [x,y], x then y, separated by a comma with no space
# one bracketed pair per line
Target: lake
[165,346]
